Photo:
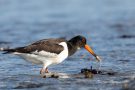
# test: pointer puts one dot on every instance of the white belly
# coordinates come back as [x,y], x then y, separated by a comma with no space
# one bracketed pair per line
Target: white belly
[44,57]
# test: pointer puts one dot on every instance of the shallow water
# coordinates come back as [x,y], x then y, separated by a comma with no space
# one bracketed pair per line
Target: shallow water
[107,24]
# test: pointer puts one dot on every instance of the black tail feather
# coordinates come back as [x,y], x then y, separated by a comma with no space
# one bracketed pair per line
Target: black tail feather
[7,50]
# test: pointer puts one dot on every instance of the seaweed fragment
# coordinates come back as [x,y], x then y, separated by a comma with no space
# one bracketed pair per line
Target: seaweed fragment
[93,71]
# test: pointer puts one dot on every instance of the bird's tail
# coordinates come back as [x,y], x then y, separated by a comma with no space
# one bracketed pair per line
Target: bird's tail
[7,50]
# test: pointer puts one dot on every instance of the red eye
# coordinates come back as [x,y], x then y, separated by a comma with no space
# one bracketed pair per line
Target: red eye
[83,40]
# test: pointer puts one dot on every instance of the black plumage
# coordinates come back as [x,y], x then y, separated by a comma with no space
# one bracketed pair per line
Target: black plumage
[48,45]
[52,46]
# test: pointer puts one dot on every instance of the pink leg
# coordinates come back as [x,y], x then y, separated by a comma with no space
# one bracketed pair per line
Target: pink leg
[46,70]
[42,71]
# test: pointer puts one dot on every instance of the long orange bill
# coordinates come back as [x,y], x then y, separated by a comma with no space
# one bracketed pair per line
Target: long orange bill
[89,49]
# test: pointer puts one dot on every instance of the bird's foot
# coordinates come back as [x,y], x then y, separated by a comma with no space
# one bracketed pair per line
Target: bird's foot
[42,71]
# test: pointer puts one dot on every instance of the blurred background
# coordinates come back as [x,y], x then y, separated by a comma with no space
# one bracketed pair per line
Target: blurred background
[109,26]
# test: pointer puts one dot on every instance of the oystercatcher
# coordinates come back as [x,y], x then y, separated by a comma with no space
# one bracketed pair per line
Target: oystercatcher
[51,51]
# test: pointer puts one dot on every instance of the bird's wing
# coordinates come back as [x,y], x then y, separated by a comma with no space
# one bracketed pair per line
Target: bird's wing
[51,40]
[47,45]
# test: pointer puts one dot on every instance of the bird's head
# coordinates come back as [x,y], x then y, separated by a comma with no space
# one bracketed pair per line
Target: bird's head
[81,42]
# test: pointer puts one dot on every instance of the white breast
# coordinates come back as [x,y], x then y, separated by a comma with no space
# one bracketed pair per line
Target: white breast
[64,54]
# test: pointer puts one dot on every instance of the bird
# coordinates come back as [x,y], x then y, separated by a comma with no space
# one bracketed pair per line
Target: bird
[51,51]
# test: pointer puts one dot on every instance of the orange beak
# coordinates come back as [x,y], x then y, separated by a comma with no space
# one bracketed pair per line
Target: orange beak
[89,49]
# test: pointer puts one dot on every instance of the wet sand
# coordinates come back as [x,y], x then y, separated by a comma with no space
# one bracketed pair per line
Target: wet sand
[109,26]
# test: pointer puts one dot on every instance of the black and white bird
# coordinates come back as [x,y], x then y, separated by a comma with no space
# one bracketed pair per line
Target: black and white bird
[51,51]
